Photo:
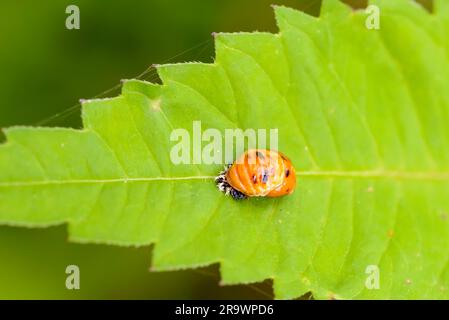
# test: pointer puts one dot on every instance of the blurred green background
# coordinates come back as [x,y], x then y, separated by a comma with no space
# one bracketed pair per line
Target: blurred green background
[46,69]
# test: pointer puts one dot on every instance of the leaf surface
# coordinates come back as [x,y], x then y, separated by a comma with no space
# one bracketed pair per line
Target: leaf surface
[362,114]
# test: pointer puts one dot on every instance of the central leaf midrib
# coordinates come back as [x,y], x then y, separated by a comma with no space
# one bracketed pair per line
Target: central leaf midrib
[394,175]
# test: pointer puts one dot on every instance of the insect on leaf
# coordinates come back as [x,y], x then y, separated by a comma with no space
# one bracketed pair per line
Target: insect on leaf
[362,113]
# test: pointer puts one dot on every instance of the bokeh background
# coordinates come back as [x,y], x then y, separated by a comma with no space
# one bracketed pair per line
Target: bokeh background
[45,69]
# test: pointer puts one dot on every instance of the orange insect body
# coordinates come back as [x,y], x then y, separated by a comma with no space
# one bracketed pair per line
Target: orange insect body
[258,173]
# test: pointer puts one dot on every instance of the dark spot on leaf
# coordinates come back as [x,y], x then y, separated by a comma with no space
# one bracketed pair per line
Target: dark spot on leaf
[287,173]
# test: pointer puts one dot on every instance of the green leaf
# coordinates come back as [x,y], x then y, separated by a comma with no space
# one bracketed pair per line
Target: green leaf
[362,113]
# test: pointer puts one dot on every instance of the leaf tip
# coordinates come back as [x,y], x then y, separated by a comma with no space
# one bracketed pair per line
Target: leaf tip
[284,16]
[336,8]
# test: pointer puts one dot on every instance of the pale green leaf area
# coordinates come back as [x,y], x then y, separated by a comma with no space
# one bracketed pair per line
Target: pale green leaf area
[363,114]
